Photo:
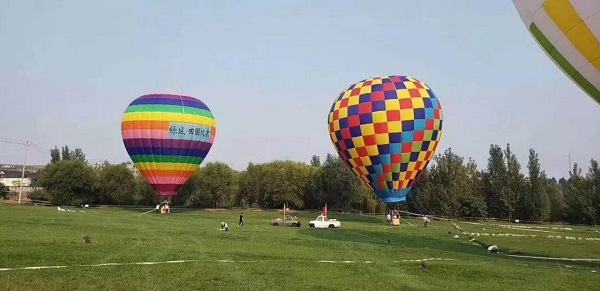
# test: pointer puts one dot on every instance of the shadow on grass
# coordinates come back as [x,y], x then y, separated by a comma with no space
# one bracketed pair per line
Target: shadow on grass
[401,241]
[393,240]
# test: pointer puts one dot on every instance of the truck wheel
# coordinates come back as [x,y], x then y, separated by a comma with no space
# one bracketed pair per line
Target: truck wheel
[331,226]
[311,225]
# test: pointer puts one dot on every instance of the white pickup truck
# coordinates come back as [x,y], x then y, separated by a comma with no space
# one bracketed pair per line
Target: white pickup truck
[324,222]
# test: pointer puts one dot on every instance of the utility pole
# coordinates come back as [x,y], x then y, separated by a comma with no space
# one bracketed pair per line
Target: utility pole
[23,172]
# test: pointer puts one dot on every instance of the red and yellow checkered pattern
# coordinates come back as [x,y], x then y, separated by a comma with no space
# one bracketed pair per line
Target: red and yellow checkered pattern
[386,129]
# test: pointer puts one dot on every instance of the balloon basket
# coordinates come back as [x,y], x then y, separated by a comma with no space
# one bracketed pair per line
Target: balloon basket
[395,222]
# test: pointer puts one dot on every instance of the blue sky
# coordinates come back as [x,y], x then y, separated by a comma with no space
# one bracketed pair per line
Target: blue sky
[270,70]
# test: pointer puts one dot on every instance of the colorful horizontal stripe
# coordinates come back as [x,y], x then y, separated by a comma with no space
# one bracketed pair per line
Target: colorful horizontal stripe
[569,32]
[167,173]
[170,100]
[145,124]
[166,159]
[170,117]
[161,149]
[142,133]
[167,136]
[166,166]
[166,143]
[169,108]
[167,180]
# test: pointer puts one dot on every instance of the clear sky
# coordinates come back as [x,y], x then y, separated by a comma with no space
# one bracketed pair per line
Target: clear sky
[270,70]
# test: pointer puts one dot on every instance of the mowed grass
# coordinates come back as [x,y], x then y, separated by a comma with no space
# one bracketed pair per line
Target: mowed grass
[258,256]
[549,240]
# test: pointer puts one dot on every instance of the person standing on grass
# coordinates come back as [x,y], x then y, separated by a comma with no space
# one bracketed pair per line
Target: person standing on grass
[241,219]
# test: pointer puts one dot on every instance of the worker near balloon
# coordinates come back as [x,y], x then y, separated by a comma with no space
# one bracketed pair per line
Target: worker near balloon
[386,129]
[167,137]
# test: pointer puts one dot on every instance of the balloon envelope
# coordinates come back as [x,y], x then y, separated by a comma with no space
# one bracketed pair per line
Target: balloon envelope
[386,129]
[167,137]
[568,31]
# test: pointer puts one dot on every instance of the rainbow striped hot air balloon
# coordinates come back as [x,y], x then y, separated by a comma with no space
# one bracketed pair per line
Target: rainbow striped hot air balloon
[569,32]
[167,137]
[386,129]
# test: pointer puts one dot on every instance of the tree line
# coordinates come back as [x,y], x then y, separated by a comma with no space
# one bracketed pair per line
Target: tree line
[450,186]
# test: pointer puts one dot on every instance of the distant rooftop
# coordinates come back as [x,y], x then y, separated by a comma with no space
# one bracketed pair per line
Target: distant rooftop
[33,168]
[12,174]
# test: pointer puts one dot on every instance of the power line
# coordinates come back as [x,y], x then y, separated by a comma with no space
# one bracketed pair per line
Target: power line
[32,145]
[44,150]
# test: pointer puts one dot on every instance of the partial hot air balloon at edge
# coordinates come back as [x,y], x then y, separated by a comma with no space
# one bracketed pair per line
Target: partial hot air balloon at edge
[386,129]
[167,137]
[568,32]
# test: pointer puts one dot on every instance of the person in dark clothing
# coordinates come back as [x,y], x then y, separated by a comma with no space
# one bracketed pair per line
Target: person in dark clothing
[241,219]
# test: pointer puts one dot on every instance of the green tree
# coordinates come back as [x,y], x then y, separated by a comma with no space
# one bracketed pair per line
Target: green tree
[593,178]
[315,161]
[419,198]
[310,196]
[443,187]
[556,201]
[495,179]
[117,184]
[368,202]
[218,182]
[473,206]
[503,182]
[515,182]
[66,153]
[70,181]
[55,155]
[475,179]
[451,182]
[144,193]
[250,185]
[78,154]
[337,185]
[534,203]
[579,197]
[284,182]
[192,194]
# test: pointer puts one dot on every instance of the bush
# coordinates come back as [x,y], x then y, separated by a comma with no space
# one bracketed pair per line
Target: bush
[39,195]
[473,206]
[12,195]
[3,191]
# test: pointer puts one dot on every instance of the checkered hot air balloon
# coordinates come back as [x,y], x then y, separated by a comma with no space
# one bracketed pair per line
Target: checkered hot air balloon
[569,33]
[386,129]
[167,137]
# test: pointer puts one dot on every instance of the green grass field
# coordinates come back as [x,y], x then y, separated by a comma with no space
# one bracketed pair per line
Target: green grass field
[364,254]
